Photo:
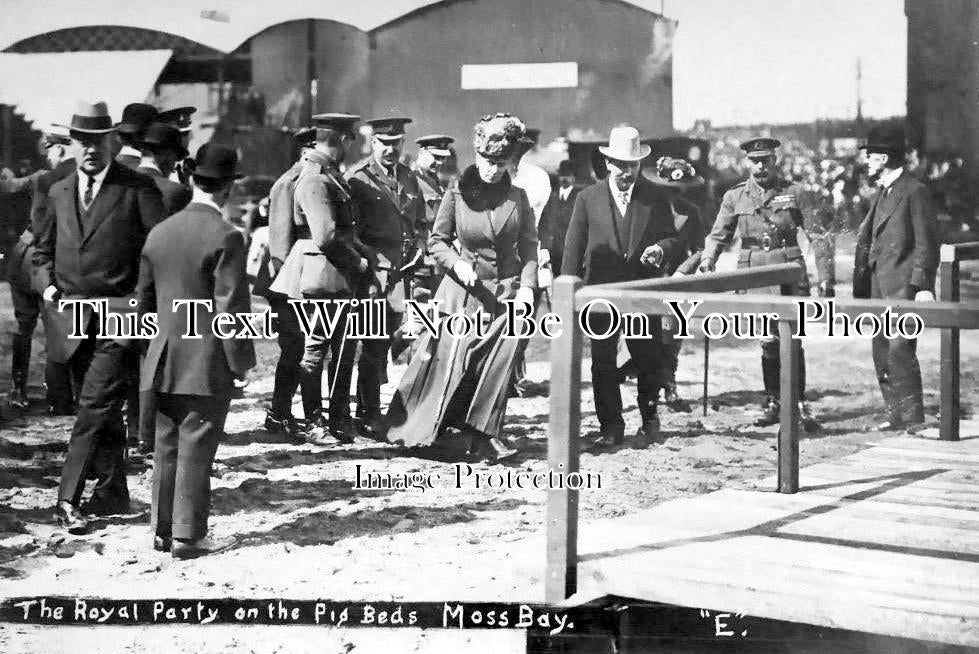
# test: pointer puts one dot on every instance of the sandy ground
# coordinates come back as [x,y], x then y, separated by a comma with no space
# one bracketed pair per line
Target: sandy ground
[305,532]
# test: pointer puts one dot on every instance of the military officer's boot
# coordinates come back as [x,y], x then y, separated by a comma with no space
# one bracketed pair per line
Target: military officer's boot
[20,360]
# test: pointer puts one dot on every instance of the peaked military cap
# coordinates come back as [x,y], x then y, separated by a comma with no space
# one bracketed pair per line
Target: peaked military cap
[305,136]
[163,136]
[761,146]
[178,117]
[437,144]
[389,129]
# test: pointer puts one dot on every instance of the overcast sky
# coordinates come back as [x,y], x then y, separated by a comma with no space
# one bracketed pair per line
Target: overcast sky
[740,61]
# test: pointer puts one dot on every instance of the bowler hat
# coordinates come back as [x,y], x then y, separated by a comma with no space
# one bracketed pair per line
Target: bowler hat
[161,136]
[389,129]
[136,117]
[624,145]
[889,140]
[91,119]
[216,161]
[678,173]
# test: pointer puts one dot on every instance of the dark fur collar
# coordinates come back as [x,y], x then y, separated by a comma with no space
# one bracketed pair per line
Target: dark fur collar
[480,196]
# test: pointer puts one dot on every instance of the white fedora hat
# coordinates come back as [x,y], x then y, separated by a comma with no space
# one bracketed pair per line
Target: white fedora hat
[624,145]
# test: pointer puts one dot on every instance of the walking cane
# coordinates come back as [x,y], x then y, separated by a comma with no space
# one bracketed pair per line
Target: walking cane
[706,367]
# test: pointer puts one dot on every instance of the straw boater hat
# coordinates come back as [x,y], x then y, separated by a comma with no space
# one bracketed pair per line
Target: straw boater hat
[677,173]
[90,119]
[624,145]
[497,135]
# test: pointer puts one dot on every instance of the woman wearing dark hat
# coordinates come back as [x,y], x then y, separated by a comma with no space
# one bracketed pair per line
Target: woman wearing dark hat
[463,382]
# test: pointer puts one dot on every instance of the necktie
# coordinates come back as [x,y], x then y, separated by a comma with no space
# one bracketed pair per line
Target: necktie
[624,201]
[89,191]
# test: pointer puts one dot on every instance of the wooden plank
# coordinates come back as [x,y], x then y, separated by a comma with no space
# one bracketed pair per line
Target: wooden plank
[716,282]
[815,603]
[963,251]
[563,445]
[788,433]
[963,460]
[934,314]
[922,460]
[968,446]
[948,430]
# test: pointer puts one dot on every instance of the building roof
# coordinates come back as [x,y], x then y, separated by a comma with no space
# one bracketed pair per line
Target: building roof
[219,24]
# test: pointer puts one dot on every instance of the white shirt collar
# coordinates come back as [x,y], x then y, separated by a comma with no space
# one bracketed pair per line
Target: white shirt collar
[128,150]
[149,163]
[888,177]
[200,197]
[96,183]
[563,193]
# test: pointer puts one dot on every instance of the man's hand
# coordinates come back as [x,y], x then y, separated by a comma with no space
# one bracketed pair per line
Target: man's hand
[51,293]
[525,294]
[706,266]
[362,265]
[464,273]
[924,296]
[652,256]
[543,256]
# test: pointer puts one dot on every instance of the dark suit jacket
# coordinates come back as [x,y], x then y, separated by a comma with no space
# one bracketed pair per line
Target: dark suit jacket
[194,255]
[898,240]
[553,226]
[128,160]
[175,196]
[97,258]
[594,249]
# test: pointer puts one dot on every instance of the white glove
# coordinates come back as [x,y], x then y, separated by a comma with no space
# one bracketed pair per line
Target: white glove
[464,273]
[51,293]
[924,296]
[706,266]
[526,294]
[543,257]
[652,256]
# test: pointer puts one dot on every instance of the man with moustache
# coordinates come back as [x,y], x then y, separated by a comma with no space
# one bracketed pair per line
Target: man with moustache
[622,229]
[88,246]
[896,258]
[765,210]
[391,219]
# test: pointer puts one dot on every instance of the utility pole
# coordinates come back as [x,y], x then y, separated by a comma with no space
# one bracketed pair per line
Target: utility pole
[859,91]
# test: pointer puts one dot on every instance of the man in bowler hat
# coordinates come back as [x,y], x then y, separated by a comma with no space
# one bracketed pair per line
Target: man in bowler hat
[194,255]
[896,258]
[88,246]
[163,148]
[136,117]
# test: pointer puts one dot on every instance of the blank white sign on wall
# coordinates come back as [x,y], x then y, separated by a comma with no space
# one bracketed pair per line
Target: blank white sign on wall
[555,75]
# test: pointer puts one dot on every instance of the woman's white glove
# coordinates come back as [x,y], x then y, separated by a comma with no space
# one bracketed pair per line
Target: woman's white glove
[525,294]
[464,273]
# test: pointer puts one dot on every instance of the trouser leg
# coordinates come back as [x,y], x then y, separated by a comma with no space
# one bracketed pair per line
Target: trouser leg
[288,370]
[605,376]
[167,423]
[98,438]
[198,435]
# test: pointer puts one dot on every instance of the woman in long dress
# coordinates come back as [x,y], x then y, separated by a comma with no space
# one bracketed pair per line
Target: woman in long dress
[464,382]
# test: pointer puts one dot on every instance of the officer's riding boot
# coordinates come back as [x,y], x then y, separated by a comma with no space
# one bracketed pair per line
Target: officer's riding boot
[809,423]
[770,416]
[20,360]
[771,378]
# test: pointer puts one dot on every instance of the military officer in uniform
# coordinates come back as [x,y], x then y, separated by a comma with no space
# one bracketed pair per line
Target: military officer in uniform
[326,262]
[282,236]
[765,210]
[433,153]
[391,218]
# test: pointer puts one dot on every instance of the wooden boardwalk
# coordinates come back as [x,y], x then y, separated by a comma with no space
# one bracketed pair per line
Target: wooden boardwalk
[884,541]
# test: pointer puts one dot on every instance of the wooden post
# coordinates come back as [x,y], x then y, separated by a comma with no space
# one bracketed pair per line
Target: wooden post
[563,445]
[706,370]
[790,351]
[948,271]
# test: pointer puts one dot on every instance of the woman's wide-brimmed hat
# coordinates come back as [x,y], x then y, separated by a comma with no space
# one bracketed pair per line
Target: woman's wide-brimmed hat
[677,173]
[91,119]
[497,135]
[624,145]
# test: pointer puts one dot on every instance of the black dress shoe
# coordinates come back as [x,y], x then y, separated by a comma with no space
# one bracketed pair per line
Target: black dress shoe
[162,543]
[771,414]
[648,433]
[610,437]
[809,423]
[372,426]
[191,549]
[71,518]
[343,430]
[18,399]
